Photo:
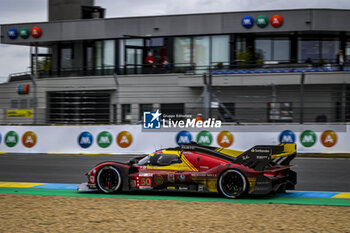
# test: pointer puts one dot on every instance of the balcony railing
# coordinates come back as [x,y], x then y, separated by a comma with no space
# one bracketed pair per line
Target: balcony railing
[240,67]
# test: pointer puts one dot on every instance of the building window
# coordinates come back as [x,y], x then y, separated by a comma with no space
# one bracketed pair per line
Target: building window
[126,113]
[220,50]
[66,55]
[317,51]
[330,49]
[241,44]
[273,49]
[108,54]
[201,52]
[182,53]
[89,56]
[98,54]
[155,42]
[134,42]
[144,108]
[263,47]
[281,50]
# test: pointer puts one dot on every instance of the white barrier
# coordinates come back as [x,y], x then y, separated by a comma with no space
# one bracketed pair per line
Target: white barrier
[119,139]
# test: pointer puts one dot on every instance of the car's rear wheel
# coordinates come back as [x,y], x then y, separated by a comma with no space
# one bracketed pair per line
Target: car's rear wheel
[232,184]
[109,179]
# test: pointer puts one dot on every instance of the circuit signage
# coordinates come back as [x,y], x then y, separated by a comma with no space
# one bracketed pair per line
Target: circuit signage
[262,21]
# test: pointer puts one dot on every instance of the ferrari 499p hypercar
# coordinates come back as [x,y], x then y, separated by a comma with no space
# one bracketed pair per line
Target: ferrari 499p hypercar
[198,168]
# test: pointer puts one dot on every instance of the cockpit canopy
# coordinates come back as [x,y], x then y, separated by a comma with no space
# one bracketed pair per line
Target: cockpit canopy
[160,159]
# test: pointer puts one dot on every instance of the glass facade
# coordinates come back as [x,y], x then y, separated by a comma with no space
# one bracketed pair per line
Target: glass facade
[281,50]
[347,50]
[108,54]
[220,49]
[317,51]
[330,49]
[264,48]
[98,55]
[182,51]
[66,55]
[200,53]
[273,49]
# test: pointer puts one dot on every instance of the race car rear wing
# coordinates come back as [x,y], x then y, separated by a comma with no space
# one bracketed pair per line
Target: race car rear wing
[259,157]
[256,158]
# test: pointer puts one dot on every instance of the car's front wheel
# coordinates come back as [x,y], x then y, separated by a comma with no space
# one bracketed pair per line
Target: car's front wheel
[232,184]
[109,179]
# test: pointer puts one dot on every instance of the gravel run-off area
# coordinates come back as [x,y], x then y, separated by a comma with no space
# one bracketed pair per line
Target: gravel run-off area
[27,213]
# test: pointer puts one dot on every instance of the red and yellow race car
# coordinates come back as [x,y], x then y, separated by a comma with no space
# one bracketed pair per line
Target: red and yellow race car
[193,167]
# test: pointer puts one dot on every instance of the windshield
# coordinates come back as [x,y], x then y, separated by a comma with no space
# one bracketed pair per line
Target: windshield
[144,161]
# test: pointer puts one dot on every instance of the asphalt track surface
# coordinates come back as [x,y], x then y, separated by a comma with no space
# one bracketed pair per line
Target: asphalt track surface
[314,174]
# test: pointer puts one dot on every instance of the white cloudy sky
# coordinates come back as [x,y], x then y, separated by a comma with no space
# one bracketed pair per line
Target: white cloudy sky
[16,58]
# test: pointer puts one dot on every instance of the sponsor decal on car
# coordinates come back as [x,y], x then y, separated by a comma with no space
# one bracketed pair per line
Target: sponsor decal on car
[182,177]
[158,180]
[260,151]
[143,182]
[171,177]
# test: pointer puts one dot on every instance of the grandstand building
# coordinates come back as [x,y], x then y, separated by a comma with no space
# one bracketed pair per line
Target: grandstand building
[247,67]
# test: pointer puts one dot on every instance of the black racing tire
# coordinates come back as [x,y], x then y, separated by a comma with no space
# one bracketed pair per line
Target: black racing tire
[232,183]
[109,180]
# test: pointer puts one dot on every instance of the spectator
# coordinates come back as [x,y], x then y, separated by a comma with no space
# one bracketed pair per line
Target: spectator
[308,61]
[164,63]
[150,60]
[340,59]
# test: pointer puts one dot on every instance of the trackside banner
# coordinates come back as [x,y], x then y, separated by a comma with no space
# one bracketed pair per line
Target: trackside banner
[123,139]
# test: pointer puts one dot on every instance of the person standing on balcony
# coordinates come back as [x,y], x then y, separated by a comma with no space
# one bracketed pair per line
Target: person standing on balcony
[340,60]
[150,60]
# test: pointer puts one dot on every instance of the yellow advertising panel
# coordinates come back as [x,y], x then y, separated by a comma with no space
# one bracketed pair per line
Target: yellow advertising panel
[28,113]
